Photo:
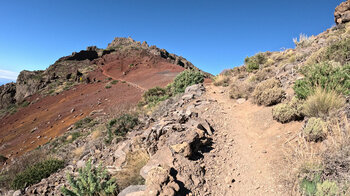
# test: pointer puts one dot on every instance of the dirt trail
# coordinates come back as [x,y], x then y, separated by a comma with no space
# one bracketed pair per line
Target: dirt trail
[247,155]
[104,72]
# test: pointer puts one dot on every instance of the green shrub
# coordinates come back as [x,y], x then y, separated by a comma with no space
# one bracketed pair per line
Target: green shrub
[35,173]
[315,129]
[287,112]
[108,86]
[87,121]
[323,75]
[321,103]
[185,79]
[153,96]
[327,188]
[338,52]
[254,62]
[123,124]
[268,92]
[91,181]
[310,176]
[114,82]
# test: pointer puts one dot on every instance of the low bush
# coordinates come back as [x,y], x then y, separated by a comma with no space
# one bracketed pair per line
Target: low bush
[287,112]
[321,103]
[254,62]
[338,52]
[85,122]
[326,76]
[327,188]
[153,96]
[268,92]
[222,80]
[91,181]
[240,90]
[123,124]
[114,82]
[185,79]
[315,130]
[35,173]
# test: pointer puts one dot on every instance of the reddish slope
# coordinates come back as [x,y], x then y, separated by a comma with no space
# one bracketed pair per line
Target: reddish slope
[52,114]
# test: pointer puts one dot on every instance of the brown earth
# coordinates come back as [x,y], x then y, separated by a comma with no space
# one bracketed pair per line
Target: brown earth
[248,148]
[49,117]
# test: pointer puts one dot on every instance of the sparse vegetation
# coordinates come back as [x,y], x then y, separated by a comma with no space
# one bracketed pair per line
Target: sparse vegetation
[85,122]
[240,90]
[221,80]
[326,76]
[321,103]
[130,175]
[123,124]
[114,81]
[268,92]
[255,62]
[90,181]
[303,41]
[286,112]
[315,129]
[33,174]
[108,86]
[153,96]
[338,52]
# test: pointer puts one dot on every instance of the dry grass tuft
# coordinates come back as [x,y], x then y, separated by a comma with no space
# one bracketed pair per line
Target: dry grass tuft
[321,103]
[222,80]
[130,174]
[78,151]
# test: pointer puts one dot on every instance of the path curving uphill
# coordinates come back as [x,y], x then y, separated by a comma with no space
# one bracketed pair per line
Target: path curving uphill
[104,72]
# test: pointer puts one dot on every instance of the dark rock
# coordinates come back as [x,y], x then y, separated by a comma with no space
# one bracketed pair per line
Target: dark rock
[7,95]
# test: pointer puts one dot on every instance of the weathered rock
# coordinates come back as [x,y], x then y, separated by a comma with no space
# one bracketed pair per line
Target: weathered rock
[133,190]
[28,83]
[7,95]
[342,13]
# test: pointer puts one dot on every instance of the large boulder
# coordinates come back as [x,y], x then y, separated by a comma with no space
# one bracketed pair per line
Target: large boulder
[342,13]
[7,95]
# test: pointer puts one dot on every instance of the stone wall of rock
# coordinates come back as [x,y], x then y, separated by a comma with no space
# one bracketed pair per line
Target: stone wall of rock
[342,13]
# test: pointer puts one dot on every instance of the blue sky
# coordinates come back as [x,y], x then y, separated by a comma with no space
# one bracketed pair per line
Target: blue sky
[213,35]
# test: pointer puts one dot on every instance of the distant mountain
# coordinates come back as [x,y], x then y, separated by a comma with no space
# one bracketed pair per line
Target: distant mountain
[4,81]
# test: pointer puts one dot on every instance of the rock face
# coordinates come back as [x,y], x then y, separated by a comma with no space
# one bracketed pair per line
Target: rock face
[342,13]
[28,83]
[7,95]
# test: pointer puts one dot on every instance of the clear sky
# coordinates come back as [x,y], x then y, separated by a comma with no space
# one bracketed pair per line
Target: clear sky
[212,34]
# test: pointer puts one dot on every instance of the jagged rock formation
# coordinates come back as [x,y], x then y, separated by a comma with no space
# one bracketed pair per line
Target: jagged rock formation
[342,13]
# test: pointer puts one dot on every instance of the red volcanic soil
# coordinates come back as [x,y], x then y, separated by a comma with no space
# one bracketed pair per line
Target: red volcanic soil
[52,115]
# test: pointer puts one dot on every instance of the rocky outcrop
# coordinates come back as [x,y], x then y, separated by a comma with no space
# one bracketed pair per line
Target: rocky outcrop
[128,43]
[342,13]
[7,95]
[28,83]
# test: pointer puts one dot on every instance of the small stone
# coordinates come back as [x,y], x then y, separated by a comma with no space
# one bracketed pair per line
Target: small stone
[72,110]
